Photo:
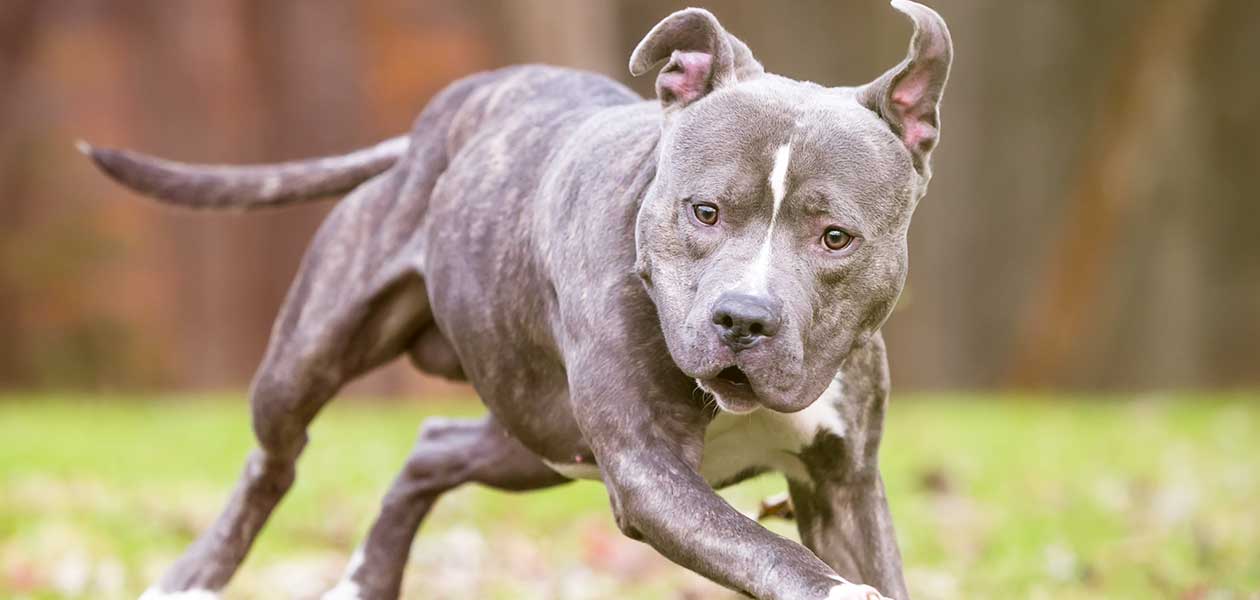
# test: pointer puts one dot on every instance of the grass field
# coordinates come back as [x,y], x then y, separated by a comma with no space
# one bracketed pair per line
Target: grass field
[1153,497]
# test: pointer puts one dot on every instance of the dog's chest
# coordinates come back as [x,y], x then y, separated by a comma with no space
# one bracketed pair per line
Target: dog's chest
[735,445]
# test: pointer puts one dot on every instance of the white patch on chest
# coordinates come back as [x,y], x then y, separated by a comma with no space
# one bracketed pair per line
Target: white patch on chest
[760,439]
[766,439]
[576,470]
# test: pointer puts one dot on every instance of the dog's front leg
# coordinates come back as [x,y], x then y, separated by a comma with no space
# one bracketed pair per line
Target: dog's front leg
[847,523]
[842,513]
[658,496]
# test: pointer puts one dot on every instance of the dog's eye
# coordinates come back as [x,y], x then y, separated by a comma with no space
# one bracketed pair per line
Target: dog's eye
[836,239]
[705,213]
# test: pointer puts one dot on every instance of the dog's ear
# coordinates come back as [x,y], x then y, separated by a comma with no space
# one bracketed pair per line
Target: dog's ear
[702,57]
[908,95]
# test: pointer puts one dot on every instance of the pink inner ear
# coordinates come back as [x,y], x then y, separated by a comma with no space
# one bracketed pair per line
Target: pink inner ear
[914,109]
[686,78]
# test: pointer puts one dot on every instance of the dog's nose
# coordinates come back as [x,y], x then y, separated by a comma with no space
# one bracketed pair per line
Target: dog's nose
[743,319]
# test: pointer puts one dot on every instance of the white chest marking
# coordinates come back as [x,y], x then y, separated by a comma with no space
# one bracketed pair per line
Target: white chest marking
[767,439]
[575,470]
[762,439]
[778,189]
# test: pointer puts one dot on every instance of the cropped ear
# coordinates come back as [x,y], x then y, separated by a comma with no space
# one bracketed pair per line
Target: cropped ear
[907,96]
[702,57]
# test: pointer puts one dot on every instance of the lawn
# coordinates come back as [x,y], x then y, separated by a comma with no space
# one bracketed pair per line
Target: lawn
[994,497]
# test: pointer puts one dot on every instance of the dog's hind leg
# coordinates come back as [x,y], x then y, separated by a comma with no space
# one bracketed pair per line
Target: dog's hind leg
[357,302]
[353,306]
[447,454]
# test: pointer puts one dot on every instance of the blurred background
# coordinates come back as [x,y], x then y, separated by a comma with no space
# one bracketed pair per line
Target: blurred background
[1089,224]
[1078,346]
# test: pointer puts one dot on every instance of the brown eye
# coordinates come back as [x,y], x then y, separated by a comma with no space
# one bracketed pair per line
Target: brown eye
[705,213]
[836,239]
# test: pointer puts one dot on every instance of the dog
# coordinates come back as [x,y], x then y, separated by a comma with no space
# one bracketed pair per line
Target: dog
[667,295]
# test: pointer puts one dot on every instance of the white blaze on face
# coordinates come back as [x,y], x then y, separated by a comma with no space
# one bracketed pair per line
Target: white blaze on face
[760,271]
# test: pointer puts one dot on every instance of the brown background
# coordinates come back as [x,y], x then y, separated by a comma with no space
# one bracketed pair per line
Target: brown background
[1092,222]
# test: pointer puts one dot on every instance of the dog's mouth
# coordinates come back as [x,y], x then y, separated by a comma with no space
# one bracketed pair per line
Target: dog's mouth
[734,377]
[733,390]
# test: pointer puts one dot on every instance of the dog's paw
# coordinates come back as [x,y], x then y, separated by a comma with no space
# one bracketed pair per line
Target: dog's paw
[778,506]
[854,591]
[345,590]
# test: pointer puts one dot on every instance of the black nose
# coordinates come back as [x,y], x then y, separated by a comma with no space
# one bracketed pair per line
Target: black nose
[743,319]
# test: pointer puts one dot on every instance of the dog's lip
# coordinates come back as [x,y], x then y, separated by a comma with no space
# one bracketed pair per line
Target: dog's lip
[743,395]
[733,390]
[732,399]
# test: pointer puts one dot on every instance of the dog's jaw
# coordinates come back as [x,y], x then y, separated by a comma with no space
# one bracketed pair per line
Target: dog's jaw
[735,408]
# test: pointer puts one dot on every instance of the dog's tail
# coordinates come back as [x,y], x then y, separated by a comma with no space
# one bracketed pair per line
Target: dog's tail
[245,186]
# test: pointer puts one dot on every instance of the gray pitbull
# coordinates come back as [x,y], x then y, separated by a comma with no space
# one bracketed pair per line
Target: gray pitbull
[669,296]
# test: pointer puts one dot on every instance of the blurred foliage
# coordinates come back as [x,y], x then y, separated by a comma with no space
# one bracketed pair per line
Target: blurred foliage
[70,339]
[993,496]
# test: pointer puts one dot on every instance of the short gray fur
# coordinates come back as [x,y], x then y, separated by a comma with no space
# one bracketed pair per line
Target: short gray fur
[537,236]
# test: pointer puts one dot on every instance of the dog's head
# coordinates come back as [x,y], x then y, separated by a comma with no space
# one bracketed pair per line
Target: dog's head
[774,237]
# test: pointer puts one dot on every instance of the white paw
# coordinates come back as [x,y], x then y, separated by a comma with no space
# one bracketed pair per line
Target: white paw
[853,591]
[155,593]
[345,590]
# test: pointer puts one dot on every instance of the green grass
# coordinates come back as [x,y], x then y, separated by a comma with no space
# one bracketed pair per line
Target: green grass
[994,497]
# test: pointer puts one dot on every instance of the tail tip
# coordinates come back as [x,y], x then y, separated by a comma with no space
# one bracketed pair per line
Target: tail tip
[83,147]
